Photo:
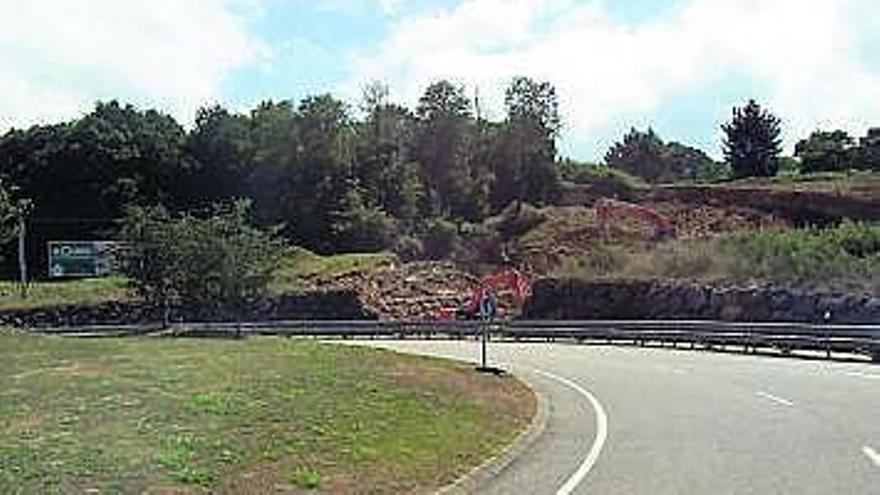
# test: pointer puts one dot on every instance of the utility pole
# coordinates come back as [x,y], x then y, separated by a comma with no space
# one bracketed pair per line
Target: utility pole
[477,105]
[22,254]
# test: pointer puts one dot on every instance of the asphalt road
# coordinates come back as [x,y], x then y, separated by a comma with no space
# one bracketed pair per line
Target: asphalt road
[653,421]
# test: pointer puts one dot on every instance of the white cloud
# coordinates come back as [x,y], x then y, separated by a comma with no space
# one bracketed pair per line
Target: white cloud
[355,7]
[57,57]
[802,58]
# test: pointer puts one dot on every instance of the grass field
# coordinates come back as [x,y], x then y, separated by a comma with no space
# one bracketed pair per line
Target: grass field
[253,416]
[300,268]
[79,292]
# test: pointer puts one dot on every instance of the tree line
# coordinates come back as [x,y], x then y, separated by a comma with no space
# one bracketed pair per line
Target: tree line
[333,178]
[751,146]
[316,173]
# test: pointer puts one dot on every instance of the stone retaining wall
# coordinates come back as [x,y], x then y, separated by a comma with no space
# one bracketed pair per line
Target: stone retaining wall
[651,299]
[317,305]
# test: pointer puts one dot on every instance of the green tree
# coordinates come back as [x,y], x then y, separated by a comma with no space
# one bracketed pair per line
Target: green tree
[94,166]
[869,150]
[752,144]
[826,151]
[687,162]
[647,156]
[527,171]
[363,228]
[442,146]
[386,168]
[219,265]
[273,135]
[221,148]
[640,154]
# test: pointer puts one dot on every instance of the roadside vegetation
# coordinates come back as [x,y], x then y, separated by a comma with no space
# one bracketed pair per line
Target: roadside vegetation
[254,416]
[298,269]
[86,292]
[846,256]
[431,181]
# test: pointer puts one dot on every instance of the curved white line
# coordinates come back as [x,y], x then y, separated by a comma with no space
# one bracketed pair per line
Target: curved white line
[598,443]
[872,455]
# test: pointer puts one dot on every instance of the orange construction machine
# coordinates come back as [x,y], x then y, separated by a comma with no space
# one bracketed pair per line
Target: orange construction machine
[609,209]
[508,281]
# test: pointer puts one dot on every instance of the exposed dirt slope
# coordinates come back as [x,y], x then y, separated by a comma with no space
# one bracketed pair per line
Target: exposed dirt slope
[799,203]
[408,290]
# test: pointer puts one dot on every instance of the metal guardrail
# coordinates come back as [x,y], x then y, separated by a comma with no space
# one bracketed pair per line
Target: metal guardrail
[746,336]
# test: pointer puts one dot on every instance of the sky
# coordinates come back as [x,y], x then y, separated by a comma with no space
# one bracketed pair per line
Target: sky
[678,66]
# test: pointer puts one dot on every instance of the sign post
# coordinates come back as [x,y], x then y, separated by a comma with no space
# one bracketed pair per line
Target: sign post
[488,308]
[22,256]
[83,258]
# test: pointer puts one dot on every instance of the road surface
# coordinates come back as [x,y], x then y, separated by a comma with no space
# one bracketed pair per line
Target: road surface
[653,421]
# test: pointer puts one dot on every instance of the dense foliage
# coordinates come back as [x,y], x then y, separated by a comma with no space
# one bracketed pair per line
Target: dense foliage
[219,263]
[868,152]
[646,155]
[322,175]
[826,152]
[849,252]
[752,142]
[333,179]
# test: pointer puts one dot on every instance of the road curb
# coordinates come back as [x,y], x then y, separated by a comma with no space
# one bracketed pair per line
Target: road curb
[494,466]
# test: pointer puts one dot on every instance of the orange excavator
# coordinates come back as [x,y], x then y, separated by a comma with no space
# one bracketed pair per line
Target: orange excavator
[608,209]
[508,280]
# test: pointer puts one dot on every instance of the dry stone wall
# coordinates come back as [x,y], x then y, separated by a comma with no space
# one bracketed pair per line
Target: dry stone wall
[565,299]
[316,305]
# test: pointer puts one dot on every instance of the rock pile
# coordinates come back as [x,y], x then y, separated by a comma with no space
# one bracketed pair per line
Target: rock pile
[411,291]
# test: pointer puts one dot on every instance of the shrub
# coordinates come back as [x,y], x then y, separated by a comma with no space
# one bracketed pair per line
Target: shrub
[603,260]
[607,180]
[516,220]
[218,264]
[365,229]
[693,260]
[847,253]
[409,248]
[440,240]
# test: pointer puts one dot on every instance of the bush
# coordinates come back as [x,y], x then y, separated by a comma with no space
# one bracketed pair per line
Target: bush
[607,180]
[365,229]
[603,260]
[408,248]
[515,221]
[440,240]
[218,264]
[847,253]
[693,260]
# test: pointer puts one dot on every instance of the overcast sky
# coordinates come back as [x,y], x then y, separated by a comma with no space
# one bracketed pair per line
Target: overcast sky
[677,65]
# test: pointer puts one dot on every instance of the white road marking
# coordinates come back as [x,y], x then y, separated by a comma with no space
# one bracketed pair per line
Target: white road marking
[598,443]
[778,400]
[862,375]
[872,454]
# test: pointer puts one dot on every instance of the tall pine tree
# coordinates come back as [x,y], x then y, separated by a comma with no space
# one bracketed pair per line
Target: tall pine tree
[752,144]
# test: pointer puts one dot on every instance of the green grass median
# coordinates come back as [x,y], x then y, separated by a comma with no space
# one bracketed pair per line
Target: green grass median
[254,416]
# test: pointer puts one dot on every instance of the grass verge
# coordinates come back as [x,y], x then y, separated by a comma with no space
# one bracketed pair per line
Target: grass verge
[254,416]
[299,270]
[843,257]
[79,292]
